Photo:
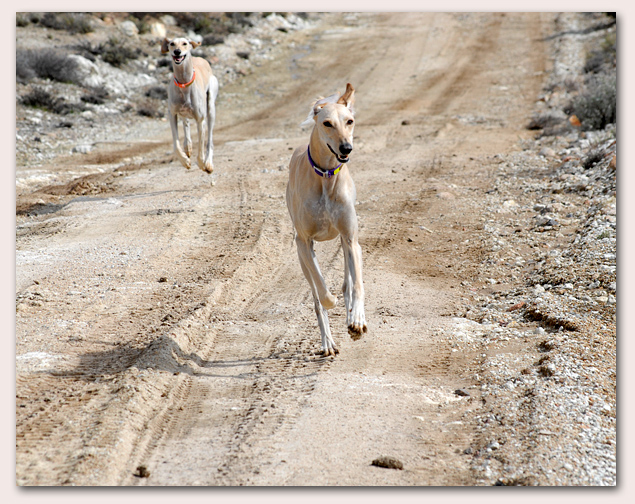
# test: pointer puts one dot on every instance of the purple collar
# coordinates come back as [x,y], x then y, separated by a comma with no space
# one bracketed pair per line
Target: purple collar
[320,171]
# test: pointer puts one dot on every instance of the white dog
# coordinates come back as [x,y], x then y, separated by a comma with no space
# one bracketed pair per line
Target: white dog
[321,202]
[191,95]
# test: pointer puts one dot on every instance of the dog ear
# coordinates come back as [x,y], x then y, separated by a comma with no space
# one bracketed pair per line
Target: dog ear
[348,98]
[319,104]
[194,44]
[164,46]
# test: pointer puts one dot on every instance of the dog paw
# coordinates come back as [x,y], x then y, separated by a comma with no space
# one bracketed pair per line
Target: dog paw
[188,149]
[356,331]
[330,351]
[207,167]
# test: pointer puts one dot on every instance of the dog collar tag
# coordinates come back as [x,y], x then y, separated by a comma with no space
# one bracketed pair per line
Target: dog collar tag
[177,83]
[320,171]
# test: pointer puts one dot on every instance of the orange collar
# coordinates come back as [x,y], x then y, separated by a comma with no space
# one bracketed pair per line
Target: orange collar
[177,83]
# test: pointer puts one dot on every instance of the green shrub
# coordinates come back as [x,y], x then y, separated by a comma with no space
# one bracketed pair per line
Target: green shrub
[95,96]
[543,121]
[45,64]
[597,106]
[157,93]
[42,99]
[22,19]
[149,109]
[604,59]
[71,22]
[592,158]
[113,51]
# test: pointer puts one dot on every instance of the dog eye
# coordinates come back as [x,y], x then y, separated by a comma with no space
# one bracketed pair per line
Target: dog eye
[328,124]
[349,122]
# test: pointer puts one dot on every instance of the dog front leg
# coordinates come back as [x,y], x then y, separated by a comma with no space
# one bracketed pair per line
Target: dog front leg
[208,165]
[201,145]
[355,316]
[347,285]
[183,158]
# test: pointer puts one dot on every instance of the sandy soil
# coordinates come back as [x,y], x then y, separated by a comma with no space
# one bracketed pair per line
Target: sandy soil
[165,333]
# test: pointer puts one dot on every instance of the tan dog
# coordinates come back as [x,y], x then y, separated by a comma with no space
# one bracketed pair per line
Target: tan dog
[321,201]
[191,95]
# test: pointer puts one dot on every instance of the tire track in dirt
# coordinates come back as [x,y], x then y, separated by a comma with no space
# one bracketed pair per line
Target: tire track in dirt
[277,373]
[219,384]
[245,446]
[85,372]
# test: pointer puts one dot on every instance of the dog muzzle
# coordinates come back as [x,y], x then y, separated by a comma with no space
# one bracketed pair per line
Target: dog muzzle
[342,158]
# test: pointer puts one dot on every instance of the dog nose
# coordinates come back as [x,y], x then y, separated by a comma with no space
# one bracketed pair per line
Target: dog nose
[177,52]
[346,148]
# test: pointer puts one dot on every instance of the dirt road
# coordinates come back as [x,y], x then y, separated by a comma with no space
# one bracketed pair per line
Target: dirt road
[164,323]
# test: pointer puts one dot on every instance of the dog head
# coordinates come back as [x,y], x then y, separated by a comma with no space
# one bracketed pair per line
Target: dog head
[334,122]
[179,48]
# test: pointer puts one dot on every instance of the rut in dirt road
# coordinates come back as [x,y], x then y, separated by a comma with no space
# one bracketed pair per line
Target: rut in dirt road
[246,453]
[208,360]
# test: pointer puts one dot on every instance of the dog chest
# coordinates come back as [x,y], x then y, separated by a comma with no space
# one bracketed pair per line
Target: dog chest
[186,105]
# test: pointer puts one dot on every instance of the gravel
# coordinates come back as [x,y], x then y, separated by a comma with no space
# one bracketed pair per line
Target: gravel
[549,227]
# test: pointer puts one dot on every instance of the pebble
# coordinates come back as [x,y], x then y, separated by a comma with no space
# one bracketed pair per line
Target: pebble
[388,463]
[568,279]
[82,149]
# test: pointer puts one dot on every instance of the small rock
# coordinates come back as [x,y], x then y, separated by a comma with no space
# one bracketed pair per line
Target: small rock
[142,472]
[85,72]
[462,392]
[388,463]
[82,149]
[129,29]
[547,152]
[547,370]
[158,30]
[538,289]
[517,306]
[168,20]
[613,163]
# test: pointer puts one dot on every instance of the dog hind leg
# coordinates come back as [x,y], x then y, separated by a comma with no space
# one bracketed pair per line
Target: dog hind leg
[307,251]
[187,143]
[306,263]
